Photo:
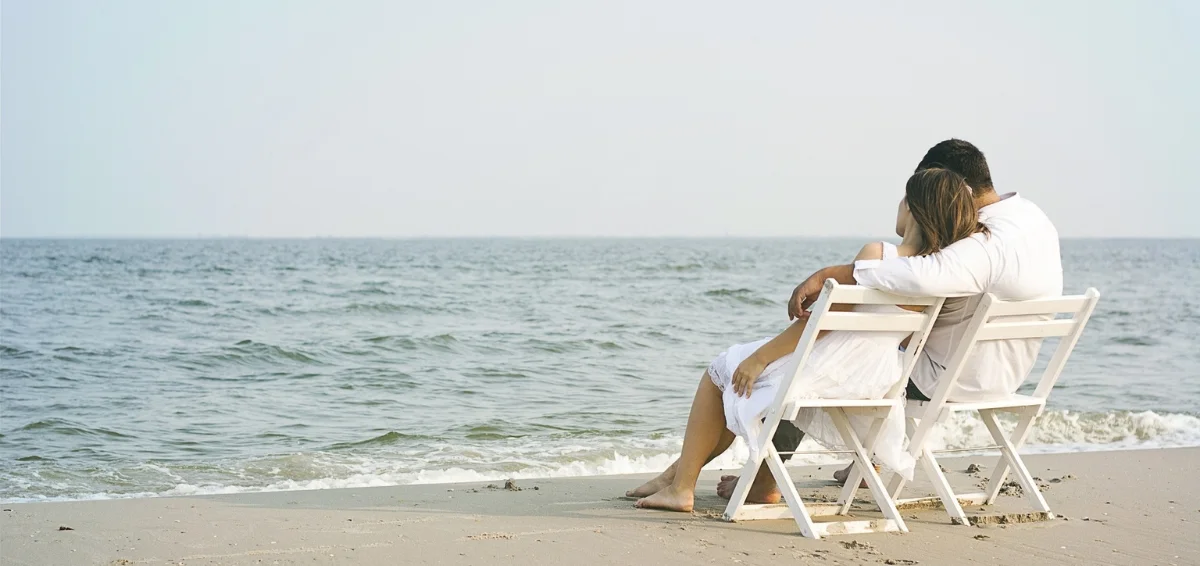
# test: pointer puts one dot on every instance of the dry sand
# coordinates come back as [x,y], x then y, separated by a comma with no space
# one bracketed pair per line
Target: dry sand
[1135,507]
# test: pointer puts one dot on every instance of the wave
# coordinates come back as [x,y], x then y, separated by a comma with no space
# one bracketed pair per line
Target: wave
[10,352]
[743,296]
[564,346]
[385,308]
[393,459]
[369,291]
[386,439]
[103,260]
[1070,431]
[249,352]
[1135,341]
[68,428]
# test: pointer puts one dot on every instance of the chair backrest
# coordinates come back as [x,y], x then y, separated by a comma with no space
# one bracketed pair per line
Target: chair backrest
[825,317]
[995,319]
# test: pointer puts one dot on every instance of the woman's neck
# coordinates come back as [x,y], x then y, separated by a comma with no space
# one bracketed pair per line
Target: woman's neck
[912,243]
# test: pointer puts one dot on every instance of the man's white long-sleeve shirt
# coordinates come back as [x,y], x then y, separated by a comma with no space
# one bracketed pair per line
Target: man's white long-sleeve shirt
[1018,260]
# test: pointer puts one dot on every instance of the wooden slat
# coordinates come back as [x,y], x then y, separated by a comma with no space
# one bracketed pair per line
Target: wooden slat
[1030,329]
[848,403]
[857,295]
[856,406]
[1038,306]
[872,322]
[1013,402]
[781,511]
[752,512]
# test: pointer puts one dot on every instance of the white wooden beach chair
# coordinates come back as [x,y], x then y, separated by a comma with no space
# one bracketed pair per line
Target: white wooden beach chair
[785,406]
[993,320]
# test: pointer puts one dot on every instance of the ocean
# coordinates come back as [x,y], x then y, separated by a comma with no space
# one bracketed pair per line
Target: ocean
[142,368]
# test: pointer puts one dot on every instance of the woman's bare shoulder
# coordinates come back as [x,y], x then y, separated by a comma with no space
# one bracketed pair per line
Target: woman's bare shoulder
[873,250]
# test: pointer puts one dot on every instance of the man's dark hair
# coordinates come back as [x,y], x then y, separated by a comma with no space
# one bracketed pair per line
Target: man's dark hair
[963,158]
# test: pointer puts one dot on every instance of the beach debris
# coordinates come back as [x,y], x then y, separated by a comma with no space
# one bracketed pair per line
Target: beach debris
[65,528]
[899,561]
[1012,488]
[982,537]
[855,545]
[491,536]
[1005,519]
[974,469]
[509,485]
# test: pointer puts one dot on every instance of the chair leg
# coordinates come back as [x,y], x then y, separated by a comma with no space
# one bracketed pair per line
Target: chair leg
[1019,435]
[862,461]
[1008,453]
[749,471]
[941,485]
[897,483]
[851,487]
[738,499]
[788,489]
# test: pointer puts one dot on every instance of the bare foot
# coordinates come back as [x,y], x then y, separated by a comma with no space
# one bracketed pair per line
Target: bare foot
[653,486]
[669,499]
[757,495]
[843,474]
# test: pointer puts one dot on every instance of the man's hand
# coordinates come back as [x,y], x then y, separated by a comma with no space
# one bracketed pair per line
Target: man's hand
[805,295]
[746,374]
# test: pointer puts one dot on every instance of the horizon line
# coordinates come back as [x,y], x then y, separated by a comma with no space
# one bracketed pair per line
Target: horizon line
[525,237]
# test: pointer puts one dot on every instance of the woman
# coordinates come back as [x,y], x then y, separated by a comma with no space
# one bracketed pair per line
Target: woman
[938,209]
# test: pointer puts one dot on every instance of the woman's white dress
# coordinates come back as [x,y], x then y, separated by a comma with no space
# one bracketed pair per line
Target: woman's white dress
[842,365]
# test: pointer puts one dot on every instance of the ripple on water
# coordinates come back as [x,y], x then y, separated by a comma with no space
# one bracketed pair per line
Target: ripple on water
[202,366]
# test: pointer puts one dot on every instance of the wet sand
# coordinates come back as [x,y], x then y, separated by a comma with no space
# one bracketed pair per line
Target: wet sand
[1134,507]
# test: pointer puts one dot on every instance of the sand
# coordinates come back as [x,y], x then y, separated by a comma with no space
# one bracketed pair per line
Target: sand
[1135,507]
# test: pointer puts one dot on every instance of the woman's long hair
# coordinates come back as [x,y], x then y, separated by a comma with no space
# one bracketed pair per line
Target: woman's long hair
[943,206]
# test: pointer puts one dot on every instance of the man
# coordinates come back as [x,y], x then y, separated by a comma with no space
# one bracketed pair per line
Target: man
[1018,260]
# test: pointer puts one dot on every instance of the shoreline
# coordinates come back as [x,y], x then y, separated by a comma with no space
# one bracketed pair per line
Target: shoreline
[206,491]
[1115,507]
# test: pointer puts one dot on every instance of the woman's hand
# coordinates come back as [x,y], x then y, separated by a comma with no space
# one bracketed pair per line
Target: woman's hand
[746,374]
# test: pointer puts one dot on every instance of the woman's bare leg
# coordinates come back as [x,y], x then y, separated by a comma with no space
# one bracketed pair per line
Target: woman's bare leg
[667,476]
[705,433]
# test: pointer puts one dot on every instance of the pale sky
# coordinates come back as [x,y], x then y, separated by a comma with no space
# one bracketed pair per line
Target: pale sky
[320,118]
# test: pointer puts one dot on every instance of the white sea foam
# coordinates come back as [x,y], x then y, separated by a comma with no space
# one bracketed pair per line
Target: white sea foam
[1056,432]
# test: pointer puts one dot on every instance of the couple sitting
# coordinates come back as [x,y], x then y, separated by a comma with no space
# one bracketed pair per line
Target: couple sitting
[960,240]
